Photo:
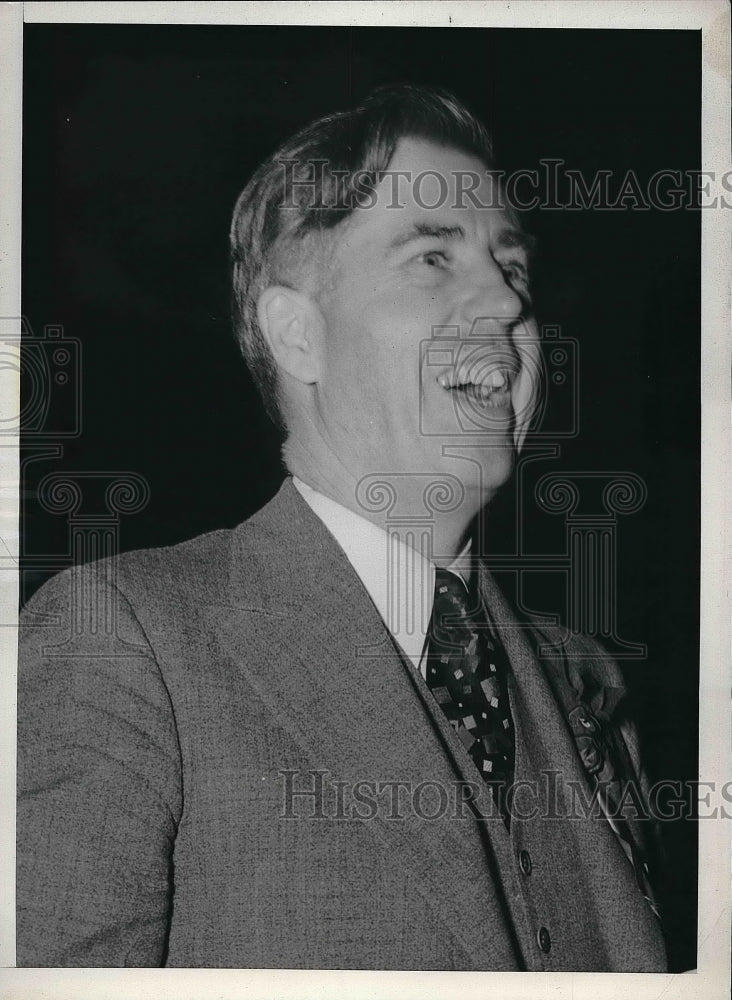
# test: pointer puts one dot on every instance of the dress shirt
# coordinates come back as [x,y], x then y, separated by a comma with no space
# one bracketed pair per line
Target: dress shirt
[398,578]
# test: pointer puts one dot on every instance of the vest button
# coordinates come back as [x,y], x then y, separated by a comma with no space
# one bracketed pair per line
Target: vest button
[525,862]
[545,942]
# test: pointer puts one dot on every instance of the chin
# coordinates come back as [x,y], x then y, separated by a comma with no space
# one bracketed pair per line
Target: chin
[481,472]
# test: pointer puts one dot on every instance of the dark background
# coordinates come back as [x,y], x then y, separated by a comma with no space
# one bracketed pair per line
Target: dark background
[137,140]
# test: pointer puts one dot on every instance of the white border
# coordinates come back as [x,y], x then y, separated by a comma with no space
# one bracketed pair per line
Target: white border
[425,13]
[11,77]
[711,980]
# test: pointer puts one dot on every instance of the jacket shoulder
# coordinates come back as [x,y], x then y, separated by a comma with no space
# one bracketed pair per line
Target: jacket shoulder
[140,573]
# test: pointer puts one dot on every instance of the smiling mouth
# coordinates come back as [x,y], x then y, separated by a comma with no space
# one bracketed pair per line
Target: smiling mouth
[489,389]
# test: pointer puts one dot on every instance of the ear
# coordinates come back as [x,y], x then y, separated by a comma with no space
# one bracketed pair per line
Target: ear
[292,325]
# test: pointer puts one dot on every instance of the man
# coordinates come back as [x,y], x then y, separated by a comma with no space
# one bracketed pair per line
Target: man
[320,739]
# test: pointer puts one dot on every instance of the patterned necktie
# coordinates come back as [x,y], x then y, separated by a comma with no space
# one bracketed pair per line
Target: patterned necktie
[466,672]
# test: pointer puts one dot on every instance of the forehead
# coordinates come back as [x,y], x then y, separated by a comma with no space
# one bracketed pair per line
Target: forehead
[434,186]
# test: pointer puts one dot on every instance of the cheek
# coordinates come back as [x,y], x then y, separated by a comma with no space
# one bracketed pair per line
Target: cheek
[374,348]
[366,341]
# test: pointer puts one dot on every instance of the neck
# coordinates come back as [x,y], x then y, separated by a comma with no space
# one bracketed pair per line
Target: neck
[431,512]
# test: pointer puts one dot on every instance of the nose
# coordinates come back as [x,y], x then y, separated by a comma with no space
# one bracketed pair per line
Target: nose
[490,298]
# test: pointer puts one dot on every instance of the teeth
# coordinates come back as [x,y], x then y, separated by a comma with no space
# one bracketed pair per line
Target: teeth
[498,378]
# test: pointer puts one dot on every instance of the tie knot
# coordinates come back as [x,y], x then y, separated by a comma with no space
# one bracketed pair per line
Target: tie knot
[453,602]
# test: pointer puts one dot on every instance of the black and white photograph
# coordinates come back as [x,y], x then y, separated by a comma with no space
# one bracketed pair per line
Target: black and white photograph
[367,375]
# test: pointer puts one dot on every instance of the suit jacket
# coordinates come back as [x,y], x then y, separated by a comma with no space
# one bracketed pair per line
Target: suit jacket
[202,731]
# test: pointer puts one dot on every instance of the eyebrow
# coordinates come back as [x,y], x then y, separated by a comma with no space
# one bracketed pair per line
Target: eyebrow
[507,239]
[420,230]
[516,239]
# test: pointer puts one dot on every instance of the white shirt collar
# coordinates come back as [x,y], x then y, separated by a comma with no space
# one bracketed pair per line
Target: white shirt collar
[399,579]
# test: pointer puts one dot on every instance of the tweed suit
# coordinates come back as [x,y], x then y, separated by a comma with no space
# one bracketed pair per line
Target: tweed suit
[189,717]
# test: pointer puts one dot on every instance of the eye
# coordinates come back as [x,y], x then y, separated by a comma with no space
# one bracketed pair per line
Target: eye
[515,272]
[434,258]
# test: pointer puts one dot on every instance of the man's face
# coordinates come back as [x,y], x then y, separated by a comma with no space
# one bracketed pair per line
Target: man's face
[425,325]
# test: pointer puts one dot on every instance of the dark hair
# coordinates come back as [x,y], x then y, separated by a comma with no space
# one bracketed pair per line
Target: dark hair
[312,183]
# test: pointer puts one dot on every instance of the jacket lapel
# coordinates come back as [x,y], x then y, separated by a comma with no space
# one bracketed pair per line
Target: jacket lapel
[298,624]
[545,745]
[358,708]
